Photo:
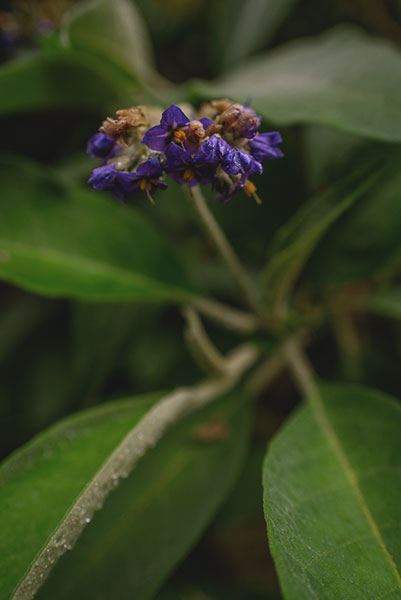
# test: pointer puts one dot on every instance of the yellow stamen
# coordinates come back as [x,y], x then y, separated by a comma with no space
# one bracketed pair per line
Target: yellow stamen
[179,136]
[143,185]
[188,175]
[249,188]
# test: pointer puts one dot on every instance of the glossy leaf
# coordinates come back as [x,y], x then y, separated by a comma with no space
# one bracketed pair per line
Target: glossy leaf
[344,79]
[62,240]
[114,31]
[332,481]
[50,488]
[297,239]
[243,27]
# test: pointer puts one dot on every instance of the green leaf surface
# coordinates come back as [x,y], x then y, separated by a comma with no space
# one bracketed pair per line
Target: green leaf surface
[158,513]
[386,302]
[332,481]
[61,240]
[42,481]
[114,31]
[62,81]
[297,239]
[50,488]
[365,242]
[242,27]
[344,79]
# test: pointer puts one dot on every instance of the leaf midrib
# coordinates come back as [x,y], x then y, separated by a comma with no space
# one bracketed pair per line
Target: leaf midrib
[317,404]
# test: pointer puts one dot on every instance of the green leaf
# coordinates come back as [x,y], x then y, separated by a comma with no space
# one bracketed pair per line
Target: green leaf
[50,489]
[298,238]
[332,481]
[365,243]
[62,240]
[63,81]
[385,302]
[242,27]
[344,79]
[114,31]
[42,481]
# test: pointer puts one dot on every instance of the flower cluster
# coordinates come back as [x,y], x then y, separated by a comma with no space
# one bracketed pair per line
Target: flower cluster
[220,146]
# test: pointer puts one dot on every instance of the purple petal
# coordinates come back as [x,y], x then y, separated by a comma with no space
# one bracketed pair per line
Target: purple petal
[213,150]
[172,117]
[263,146]
[101,145]
[109,179]
[155,138]
[102,177]
[206,122]
[240,162]
[177,157]
[149,168]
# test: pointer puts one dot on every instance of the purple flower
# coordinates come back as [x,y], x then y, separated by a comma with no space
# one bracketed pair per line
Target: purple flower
[121,183]
[101,145]
[236,162]
[264,146]
[214,150]
[147,177]
[160,136]
[109,179]
[185,169]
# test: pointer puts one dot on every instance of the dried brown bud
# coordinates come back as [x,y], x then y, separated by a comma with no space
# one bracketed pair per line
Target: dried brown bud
[130,125]
[195,132]
[238,120]
[221,105]
[213,128]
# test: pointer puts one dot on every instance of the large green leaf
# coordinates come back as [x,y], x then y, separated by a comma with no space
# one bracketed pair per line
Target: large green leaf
[332,481]
[344,79]
[114,31]
[42,481]
[63,81]
[242,27]
[62,240]
[51,488]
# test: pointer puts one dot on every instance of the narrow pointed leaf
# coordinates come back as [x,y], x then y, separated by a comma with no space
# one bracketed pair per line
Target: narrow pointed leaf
[332,493]
[344,79]
[366,241]
[295,242]
[62,240]
[243,27]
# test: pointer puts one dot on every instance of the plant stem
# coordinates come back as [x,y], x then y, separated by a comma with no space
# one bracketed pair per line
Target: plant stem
[227,252]
[273,366]
[200,345]
[225,315]
[301,369]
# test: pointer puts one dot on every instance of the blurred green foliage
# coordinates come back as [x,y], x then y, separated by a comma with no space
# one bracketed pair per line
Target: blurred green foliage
[89,287]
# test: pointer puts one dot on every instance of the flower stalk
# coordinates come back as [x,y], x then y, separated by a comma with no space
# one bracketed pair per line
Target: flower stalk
[226,251]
